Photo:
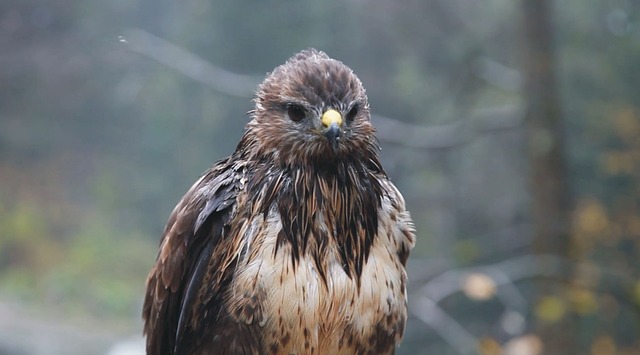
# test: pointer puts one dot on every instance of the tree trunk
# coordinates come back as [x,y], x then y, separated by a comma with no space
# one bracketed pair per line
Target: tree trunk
[550,189]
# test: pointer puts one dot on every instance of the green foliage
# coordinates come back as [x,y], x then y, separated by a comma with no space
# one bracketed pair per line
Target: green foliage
[97,268]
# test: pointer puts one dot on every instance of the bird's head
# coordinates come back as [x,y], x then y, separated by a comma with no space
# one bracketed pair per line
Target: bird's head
[311,109]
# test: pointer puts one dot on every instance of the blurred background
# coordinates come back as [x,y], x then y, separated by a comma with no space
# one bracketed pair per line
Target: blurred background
[511,127]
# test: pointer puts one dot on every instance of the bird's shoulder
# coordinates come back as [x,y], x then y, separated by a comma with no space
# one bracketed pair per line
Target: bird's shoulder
[396,223]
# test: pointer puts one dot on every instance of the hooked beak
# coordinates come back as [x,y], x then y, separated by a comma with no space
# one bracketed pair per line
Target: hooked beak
[332,121]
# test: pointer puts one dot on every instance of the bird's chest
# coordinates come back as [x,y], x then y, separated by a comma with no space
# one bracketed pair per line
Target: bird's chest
[312,305]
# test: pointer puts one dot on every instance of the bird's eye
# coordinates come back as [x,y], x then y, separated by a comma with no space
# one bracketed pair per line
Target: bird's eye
[351,115]
[296,113]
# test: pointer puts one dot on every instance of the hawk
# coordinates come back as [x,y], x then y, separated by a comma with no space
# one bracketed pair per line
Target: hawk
[297,242]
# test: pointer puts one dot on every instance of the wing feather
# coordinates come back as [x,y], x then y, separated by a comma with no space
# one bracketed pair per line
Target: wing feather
[192,288]
[194,229]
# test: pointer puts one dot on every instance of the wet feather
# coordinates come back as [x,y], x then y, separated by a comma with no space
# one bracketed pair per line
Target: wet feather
[294,243]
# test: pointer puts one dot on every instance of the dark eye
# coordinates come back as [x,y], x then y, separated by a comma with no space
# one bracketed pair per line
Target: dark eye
[352,113]
[296,113]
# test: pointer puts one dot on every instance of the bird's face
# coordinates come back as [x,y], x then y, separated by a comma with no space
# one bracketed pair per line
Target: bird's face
[312,108]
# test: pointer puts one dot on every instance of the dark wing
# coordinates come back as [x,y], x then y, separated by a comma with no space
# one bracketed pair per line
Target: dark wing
[196,226]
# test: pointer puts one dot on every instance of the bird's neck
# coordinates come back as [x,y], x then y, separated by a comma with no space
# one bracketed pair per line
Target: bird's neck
[321,205]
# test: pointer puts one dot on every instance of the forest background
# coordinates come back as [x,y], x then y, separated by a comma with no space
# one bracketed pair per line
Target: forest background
[511,127]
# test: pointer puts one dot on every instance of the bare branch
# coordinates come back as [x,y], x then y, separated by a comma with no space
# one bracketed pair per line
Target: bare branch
[189,64]
[446,326]
[448,135]
[389,129]
[498,74]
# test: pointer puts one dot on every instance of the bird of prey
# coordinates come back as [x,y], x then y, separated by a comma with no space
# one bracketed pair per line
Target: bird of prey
[297,242]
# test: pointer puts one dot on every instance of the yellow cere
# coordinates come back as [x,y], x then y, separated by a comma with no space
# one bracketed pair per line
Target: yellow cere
[331,116]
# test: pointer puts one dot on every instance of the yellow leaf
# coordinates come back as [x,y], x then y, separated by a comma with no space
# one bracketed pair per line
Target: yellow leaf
[583,301]
[489,346]
[636,292]
[627,124]
[550,309]
[591,225]
[591,217]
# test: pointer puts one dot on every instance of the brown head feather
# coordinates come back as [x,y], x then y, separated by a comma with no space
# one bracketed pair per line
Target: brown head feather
[315,83]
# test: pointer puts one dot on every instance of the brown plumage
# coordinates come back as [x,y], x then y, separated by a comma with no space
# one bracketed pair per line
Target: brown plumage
[297,242]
